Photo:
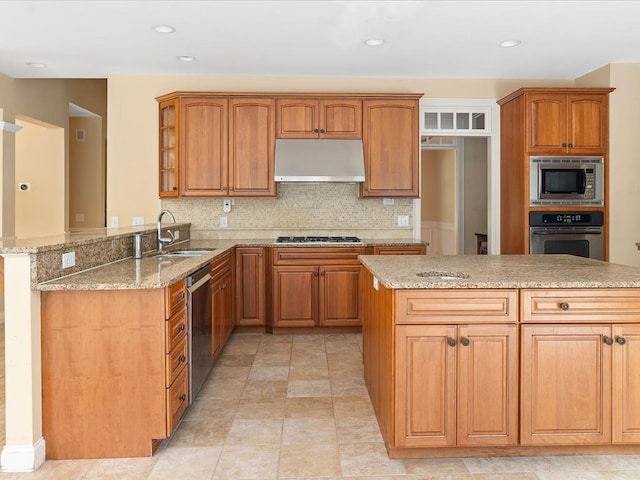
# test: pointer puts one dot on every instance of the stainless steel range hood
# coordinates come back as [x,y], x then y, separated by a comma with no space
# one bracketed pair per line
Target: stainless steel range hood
[319,160]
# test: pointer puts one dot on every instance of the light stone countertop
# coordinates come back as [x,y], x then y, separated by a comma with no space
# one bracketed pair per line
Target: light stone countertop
[500,271]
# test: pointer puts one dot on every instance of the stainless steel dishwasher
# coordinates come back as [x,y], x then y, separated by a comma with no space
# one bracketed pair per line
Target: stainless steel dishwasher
[199,311]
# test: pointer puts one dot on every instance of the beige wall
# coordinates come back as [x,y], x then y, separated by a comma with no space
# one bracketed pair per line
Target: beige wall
[475,191]
[86,174]
[40,162]
[438,186]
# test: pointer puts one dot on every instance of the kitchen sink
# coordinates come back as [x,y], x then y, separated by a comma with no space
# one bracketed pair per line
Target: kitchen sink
[443,276]
[185,253]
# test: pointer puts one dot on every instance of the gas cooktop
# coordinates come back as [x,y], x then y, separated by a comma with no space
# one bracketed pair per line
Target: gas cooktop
[319,239]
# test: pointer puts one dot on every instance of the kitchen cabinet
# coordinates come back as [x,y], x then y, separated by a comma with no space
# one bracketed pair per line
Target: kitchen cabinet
[250,286]
[337,118]
[315,287]
[114,370]
[391,147]
[456,385]
[579,368]
[223,146]
[399,250]
[168,171]
[547,121]
[222,298]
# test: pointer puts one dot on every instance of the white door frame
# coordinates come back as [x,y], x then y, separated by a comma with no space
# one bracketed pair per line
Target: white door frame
[492,133]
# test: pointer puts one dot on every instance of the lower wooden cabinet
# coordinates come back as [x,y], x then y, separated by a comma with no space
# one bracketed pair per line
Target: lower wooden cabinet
[456,385]
[250,286]
[222,299]
[399,250]
[580,384]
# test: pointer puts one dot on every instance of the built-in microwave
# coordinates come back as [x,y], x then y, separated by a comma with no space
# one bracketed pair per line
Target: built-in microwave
[566,181]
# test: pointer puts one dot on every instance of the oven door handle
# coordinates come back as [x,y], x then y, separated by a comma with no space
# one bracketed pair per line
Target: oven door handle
[567,232]
[199,283]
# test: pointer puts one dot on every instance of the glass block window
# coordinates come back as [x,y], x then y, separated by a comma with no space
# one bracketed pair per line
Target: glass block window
[455,121]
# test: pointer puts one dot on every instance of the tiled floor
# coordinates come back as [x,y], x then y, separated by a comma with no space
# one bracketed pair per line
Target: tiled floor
[295,407]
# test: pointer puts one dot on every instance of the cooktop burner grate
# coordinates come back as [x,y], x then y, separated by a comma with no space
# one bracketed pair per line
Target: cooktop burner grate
[318,239]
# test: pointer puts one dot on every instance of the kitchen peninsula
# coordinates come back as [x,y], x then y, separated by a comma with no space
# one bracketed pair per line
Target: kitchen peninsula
[502,355]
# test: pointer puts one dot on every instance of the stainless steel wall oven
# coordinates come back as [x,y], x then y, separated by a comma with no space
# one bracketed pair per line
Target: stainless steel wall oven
[573,233]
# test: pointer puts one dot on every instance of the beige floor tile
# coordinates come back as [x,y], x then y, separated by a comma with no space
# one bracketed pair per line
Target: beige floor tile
[357,406]
[309,431]
[222,388]
[358,430]
[207,408]
[255,431]
[572,475]
[265,389]
[269,373]
[309,407]
[60,470]
[430,466]
[348,387]
[619,475]
[231,360]
[308,372]
[261,408]
[121,468]
[612,462]
[368,459]
[308,359]
[248,462]
[272,360]
[525,464]
[241,346]
[309,388]
[201,433]
[221,373]
[296,461]
[279,348]
[308,340]
[505,476]
[194,463]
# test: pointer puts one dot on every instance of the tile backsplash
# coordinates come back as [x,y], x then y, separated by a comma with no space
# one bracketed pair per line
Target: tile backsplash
[307,209]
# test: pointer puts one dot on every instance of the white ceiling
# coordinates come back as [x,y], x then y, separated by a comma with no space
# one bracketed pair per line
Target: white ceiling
[424,39]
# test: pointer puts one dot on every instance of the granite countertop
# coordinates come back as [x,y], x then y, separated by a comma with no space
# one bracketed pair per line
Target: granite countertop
[500,271]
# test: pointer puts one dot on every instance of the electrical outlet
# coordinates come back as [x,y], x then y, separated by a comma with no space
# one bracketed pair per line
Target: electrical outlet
[403,220]
[388,201]
[176,235]
[68,259]
[226,205]
[137,221]
[223,222]
[79,217]
[114,222]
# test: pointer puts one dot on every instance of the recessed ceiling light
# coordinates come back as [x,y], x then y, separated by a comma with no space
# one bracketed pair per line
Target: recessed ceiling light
[509,43]
[374,42]
[37,65]
[163,28]
[186,58]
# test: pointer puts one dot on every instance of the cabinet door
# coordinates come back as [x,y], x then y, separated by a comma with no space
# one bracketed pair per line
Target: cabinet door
[391,148]
[221,312]
[487,385]
[295,296]
[546,123]
[168,166]
[204,147]
[251,147]
[425,386]
[340,118]
[626,384]
[250,286]
[566,385]
[400,250]
[338,295]
[297,118]
[588,119]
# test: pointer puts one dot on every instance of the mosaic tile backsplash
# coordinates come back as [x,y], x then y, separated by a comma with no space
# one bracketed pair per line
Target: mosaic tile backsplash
[316,208]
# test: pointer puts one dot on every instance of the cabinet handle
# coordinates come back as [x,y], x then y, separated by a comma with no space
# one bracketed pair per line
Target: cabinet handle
[181,295]
[452,342]
[182,358]
[571,145]
[315,130]
[223,286]
[315,274]
[608,340]
[183,397]
[322,273]
[181,327]
[464,341]
[621,340]
[564,306]
[175,188]
[322,130]
[564,145]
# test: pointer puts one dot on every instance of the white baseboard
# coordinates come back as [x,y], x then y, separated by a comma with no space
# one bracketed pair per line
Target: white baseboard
[23,458]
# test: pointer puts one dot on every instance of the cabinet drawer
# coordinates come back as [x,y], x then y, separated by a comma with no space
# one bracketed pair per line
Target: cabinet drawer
[451,306]
[566,306]
[417,250]
[175,329]
[176,360]
[175,297]
[177,400]
[220,266]
[315,256]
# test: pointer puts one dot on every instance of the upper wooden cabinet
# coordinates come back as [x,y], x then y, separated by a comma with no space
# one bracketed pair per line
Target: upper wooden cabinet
[562,121]
[168,168]
[391,147]
[338,118]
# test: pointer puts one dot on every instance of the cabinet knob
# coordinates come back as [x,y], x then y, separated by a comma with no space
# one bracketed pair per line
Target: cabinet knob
[182,358]
[464,341]
[223,286]
[570,145]
[608,340]
[564,145]
[322,273]
[452,342]
[175,188]
[322,130]
[183,397]
[564,306]
[181,327]
[315,130]
[621,340]
[315,274]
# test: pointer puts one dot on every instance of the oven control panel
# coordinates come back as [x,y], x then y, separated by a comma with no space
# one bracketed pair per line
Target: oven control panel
[585,219]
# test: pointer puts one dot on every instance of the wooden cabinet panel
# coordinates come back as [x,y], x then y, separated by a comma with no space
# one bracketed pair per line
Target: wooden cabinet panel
[400,250]
[295,297]
[588,124]
[250,286]
[487,385]
[547,115]
[176,360]
[177,400]
[566,385]
[204,147]
[317,256]
[252,147]
[338,118]
[222,312]
[168,172]
[175,297]
[626,384]
[338,295]
[391,148]
[176,329]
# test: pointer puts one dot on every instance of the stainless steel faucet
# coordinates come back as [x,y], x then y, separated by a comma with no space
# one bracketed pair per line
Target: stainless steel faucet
[168,240]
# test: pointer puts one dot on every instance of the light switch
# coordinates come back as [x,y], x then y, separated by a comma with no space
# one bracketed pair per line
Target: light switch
[403,220]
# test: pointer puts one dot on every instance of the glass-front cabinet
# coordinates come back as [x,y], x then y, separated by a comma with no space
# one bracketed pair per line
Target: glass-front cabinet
[168,171]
